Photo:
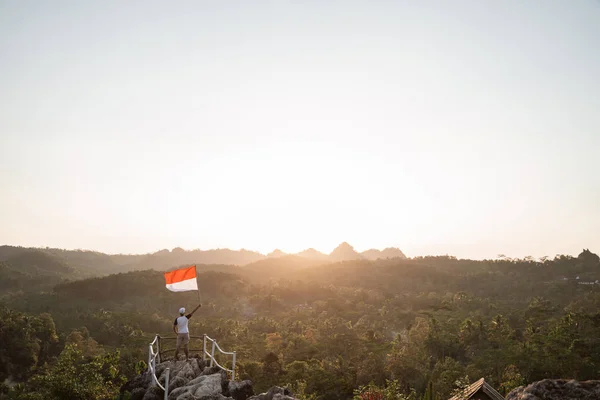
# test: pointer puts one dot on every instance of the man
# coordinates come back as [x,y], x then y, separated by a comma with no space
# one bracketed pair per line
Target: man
[180,327]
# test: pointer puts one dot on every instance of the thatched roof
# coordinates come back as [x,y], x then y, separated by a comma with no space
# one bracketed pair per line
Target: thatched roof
[475,387]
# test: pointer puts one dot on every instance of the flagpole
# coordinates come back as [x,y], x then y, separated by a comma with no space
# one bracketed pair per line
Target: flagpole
[199,297]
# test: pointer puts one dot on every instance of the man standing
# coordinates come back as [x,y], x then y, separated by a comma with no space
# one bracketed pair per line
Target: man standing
[180,327]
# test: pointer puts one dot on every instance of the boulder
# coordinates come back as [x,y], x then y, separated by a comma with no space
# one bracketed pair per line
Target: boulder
[137,393]
[199,387]
[154,393]
[239,390]
[557,389]
[194,380]
[208,385]
[177,382]
[211,370]
[140,381]
[275,393]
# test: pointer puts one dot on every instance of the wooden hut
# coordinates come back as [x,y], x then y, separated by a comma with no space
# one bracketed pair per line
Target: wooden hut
[480,390]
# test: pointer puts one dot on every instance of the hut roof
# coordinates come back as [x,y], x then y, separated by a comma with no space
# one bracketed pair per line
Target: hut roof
[475,387]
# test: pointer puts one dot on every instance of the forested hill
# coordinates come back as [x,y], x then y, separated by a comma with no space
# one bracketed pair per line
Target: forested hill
[325,329]
[84,263]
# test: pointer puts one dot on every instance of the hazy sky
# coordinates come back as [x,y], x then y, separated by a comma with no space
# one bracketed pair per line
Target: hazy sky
[459,127]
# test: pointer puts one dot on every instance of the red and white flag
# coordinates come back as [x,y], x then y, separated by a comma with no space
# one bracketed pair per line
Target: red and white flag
[182,280]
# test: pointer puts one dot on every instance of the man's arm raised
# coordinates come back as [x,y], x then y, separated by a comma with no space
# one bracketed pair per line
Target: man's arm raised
[195,309]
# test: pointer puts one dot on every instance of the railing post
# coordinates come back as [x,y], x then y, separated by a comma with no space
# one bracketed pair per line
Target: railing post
[204,349]
[149,358]
[212,355]
[167,384]
[158,348]
[154,378]
[233,368]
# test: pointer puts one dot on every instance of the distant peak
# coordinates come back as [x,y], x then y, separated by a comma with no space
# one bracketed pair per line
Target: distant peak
[276,253]
[312,253]
[344,252]
[388,252]
[163,251]
[344,246]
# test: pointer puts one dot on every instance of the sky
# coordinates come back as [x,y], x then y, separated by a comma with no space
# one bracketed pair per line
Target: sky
[465,127]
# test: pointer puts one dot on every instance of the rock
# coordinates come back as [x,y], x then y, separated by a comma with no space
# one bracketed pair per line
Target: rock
[140,381]
[283,397]
[239,390]
[202,386]
[160,368]
[154,393]
[137,394]
[557,389]
[209,386]
[258,397]
[198,365]
[180,393]
[177,382]
[194,380]
[185,396]
[275,393]
[276,390]
[211,370]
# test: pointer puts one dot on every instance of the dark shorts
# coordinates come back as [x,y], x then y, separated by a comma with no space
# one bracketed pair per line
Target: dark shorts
[183,338]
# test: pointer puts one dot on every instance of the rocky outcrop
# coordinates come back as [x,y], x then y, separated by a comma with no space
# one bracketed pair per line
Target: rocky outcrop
[195,380]
[275,393]
[557,389]
[240,390]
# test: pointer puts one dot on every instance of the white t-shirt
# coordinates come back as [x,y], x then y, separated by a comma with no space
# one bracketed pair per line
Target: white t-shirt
[182,323]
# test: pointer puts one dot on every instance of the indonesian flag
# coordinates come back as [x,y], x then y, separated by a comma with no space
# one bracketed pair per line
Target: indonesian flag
[182,280]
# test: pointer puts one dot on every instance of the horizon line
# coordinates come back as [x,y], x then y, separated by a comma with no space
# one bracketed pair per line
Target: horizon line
[265,254]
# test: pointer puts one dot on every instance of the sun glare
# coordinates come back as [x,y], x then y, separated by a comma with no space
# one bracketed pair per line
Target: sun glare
[293,196]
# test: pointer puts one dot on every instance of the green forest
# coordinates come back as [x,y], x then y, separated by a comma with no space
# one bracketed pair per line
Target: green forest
[77,324]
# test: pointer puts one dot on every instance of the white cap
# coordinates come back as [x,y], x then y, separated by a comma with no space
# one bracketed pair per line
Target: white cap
[182,310]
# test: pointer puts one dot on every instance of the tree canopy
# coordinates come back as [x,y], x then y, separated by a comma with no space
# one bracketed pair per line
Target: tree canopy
[398,328]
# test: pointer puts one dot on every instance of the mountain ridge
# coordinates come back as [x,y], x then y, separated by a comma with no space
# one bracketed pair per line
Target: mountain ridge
[98,263]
